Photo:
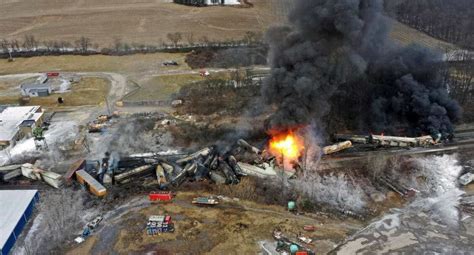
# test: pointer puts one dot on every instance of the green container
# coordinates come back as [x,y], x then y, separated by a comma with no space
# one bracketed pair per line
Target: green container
[294,249]
[291,205]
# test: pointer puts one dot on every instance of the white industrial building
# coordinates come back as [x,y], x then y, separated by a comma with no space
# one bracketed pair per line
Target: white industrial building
[16,208]
[18,122]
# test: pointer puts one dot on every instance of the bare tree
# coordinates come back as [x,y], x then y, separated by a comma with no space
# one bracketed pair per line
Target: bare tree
[190,38]
[30,42]
[83,44]
[117,44]
[49,45]
[60,212]
[4,44]
[64,45]
[205,40]
[174,37]
[14,45]
[249,37]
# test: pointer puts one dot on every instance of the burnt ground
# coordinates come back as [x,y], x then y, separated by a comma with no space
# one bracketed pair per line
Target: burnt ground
[233,227]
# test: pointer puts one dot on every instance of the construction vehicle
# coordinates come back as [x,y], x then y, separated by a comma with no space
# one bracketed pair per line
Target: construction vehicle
[40,141]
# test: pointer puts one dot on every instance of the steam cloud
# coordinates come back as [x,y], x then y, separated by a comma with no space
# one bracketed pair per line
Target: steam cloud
[342,47]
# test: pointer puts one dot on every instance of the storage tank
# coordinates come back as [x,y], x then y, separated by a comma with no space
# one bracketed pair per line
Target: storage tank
[291,205]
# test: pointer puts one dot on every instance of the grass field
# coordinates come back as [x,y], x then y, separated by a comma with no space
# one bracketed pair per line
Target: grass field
[88,91]
[125,64]
[162,87]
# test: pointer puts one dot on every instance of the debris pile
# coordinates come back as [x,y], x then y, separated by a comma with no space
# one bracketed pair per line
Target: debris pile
[292,245]
[173,169]
[30,171]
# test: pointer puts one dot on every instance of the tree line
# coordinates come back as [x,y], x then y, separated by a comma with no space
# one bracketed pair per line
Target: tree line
[31,46]
[451,21]
[459,77]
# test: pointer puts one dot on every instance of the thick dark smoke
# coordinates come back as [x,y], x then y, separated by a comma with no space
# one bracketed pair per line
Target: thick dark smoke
[332,43]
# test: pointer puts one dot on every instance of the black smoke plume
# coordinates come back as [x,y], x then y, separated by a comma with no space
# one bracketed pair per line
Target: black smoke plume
[342,48]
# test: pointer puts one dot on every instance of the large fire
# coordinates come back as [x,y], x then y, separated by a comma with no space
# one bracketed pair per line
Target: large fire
[286,147]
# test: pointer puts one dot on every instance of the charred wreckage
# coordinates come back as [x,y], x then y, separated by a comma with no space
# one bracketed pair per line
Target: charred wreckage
[173,169]
[221,166]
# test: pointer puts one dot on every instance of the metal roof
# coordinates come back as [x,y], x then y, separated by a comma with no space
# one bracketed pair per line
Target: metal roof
[35,86]
[12,117]
[13,204]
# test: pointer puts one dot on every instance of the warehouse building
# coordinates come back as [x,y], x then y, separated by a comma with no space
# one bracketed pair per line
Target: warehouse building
[16,208]
[36,89]
[18,122]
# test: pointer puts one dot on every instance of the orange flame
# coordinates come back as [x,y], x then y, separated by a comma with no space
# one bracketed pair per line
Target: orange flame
[286,147]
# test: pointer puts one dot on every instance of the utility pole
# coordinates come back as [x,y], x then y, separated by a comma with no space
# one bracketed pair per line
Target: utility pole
[108,107]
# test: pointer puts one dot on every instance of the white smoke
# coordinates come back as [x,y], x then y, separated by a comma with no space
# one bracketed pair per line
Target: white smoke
[58,136]
[333,190]
[437,183]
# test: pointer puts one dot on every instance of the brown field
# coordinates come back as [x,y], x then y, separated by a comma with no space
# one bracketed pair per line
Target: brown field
[140,21]
[406,35]
[149,21]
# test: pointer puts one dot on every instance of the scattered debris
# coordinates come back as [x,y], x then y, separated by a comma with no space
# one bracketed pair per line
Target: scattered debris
[9,172]
[53,179]
[305,239]
[100,123]
[285,244]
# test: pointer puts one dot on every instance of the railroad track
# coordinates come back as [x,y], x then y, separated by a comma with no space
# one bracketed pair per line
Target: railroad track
[354,159]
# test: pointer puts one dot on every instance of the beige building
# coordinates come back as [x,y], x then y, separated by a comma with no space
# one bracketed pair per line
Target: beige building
[18,122]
